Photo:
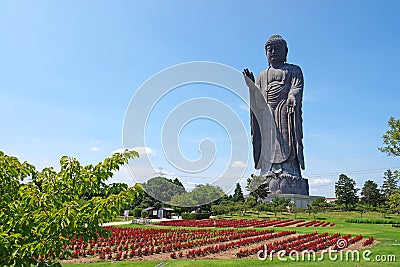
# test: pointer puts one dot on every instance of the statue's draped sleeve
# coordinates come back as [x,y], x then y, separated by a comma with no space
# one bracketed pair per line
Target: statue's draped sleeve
[256,138]
[296,90]
[258,108]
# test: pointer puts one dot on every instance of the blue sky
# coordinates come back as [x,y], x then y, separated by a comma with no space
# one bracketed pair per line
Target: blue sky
[70,68]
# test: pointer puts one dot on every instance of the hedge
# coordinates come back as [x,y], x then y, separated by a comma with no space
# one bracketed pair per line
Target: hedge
[195,216]
[373,221]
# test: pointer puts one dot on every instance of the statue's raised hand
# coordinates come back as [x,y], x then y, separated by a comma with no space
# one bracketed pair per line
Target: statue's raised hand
[249,74]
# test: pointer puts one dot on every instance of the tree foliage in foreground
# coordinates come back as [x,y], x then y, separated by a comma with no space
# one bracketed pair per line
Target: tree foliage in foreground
[391,138]
[42,210]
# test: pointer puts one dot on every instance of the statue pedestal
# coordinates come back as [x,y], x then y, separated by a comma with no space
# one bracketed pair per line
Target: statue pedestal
[300,201]
[287,185]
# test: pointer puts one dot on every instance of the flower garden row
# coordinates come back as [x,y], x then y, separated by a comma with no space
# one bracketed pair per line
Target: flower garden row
[244,223]
[306,242]
[130,243]
[143,242]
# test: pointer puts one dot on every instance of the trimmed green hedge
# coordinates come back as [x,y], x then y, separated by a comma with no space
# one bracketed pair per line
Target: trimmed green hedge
[373,221]
[195,216]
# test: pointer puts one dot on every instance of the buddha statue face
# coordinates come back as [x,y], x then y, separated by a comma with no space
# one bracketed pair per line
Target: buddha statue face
[276,50]
[276,53]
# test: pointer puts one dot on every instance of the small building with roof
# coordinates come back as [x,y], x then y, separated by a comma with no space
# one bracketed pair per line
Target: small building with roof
[159,213]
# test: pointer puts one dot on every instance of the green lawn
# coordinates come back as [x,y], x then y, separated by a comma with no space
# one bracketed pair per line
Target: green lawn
[386,235]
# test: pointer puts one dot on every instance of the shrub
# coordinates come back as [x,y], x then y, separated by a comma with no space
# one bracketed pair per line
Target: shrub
[137,212]
[195,216]
[144,214]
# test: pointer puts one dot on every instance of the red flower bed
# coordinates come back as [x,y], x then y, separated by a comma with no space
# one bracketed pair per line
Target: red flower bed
[368,241]
[236,244]
[128,243]
[304,242]
[315,224]
[137,242]
[243,223]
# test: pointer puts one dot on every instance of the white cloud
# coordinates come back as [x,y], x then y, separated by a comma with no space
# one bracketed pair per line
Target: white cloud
[94,148]
[144,150]
[140,149]
[320,181]
[238,164]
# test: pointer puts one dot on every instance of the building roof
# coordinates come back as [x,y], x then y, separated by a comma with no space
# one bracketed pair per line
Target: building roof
[152,208]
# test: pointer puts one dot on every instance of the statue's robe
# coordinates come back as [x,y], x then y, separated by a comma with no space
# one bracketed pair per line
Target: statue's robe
[276,134]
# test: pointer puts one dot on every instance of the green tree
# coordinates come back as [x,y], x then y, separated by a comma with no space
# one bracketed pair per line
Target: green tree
[178,183]
[268,206]
[163,189]
[291,206]
[394,201]
[235,207]
[260,207]
[390,180]
[250,203]
[383,209]
[238,194]
[40,215]
[147,202]
[279,204]
[346,191]
[205,194]
[295,211]
[371,194]
[225,200]
[217,209]
[183,200]
[115,188]
[320,204]
[258,187]
[201,195]
[361,209]
[312,210]
[391,138]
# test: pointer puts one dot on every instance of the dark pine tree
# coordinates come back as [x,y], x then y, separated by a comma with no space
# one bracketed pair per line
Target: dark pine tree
[238,194]
[346,191]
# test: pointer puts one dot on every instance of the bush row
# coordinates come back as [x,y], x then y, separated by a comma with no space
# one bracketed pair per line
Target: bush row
[195,216]
[373,221]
